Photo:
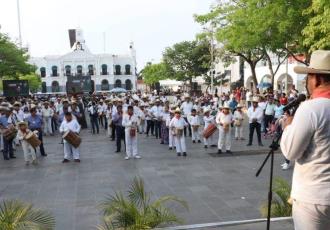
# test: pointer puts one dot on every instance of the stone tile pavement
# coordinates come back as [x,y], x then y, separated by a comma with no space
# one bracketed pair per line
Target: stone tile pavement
[217,188]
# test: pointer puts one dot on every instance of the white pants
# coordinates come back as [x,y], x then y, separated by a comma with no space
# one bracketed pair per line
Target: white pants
[171,140]
[224,139]
[211,140]
[109,129]
[141,127]
[69,150]
[195,135]
[47,125]
[180,144]
[28,150]
[310,216]
[131,144]
[239,131]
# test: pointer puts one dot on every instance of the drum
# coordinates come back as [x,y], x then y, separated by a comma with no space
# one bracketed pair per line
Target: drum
[178,132]
[10,133]
[32,139]
[237,123]
[226,127]
[195,127]
[72,138]
[132,132]
[209,130]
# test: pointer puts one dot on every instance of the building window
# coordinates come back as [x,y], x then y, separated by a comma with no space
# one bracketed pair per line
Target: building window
[90,70]
[128,69]
[43,72]
[79,70]
[67,70]
[43,87]
[105,85]
[117,70]
[55,87]
[128,84]
[118,83]
[54,71]
[104,68]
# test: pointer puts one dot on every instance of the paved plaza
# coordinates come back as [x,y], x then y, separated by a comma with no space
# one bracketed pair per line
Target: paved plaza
[217,188]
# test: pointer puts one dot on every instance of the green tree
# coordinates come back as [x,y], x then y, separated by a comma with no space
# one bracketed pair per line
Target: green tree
[153,73]
[188,59]
[316,34]
[34,82]
[137,211]
[13,60]
[16,215]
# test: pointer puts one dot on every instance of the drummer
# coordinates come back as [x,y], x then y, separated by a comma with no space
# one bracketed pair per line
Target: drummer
[35,123]
[177,125]
[28,150]
[69,124]
[5,123]
[224,119]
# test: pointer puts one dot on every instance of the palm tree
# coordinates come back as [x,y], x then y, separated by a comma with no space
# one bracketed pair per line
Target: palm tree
[281,195]
[137,211]
[16,215]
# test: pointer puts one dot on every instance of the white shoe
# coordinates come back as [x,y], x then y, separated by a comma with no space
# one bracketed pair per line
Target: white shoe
[126,158]
[285,166]
[137,157]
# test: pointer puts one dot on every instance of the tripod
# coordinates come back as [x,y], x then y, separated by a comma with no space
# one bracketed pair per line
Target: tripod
[273,147]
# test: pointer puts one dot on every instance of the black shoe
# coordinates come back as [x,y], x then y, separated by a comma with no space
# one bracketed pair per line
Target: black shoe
[214,146]
[184,154]
[118,151]
[170,148]
[230,152]
[112,139]
[6,158]
[194,142]
[44,155]
[199,141]
[219,151]
[249,144]
[205,146]
[161,143]
[13,157]
[179,154]
[65,161]
[77,160]
[260,144]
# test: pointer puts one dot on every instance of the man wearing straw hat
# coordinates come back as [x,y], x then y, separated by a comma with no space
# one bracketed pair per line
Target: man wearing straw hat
[255,114]
[305,140]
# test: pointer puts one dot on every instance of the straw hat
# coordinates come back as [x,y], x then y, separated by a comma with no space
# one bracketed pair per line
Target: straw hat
[255,99]
[207,110]
[177,110]
[17,103]
[239,106]
[22,123]
[226,106]
[319,63]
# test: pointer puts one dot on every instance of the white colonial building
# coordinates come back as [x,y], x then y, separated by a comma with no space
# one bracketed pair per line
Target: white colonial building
[106,70]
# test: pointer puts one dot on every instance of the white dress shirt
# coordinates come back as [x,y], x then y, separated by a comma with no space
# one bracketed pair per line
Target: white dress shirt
[255,113]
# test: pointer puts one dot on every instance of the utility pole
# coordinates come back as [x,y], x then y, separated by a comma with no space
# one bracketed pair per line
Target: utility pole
[19,25]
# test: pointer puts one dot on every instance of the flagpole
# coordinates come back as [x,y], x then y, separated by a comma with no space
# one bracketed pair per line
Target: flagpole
[19,25]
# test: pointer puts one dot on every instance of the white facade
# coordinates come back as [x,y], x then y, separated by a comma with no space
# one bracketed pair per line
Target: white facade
[106,70]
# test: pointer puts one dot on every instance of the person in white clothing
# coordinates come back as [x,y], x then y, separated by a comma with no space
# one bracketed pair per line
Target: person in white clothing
[171,141]
[194,122]
[238,122]
[305,140]
[255,114]
[186,107]
[71,124]
[130,123]
[28,150]
[47,114]
[209,119]
[177,126]
[224,119]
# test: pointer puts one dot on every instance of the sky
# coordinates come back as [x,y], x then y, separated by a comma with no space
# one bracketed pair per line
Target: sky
[152,25]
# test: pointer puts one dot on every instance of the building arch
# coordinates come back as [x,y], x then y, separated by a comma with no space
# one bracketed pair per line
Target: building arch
[54,71]
[43,87]
[55,87]
[90,70]
[128,69]
[266,79]
[104,69]
[43,72]
[281,82]
[128,84]
[249,84]
[105,85]
[79,70]
[118,83]
[67,70]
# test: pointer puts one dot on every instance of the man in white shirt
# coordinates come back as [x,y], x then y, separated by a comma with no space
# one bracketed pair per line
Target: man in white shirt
[47,114]
[306,141]
[224,119]
[71,124]
[255,114]
[269,112]
[156,113]
[186,107]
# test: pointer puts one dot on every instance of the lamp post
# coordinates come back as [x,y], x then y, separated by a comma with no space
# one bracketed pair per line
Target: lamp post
[286,71]
[19,25]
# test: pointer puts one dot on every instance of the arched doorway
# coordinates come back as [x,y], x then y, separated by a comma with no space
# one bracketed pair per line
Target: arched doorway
[55,87]
[128,84]
[104,69]
[266,82]
[67,70]
[43,72]
[249,83]
[281,82]
[92,86]
[127,69]
[43,87]
[118,83]
[105,85]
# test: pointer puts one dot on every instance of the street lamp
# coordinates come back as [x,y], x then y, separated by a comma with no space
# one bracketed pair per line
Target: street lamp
[19,25]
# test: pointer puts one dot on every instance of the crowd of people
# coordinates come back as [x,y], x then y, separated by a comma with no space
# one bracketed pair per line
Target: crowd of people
[207,119]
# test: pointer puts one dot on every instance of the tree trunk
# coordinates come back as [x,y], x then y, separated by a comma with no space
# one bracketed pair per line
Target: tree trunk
[270,67]
[254,76]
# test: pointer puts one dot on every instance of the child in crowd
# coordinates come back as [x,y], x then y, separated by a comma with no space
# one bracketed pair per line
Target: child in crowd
[28,150]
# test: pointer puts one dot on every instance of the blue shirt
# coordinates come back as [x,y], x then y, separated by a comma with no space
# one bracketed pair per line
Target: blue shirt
[4,121]
[278,111]
[34,122]
[233,104]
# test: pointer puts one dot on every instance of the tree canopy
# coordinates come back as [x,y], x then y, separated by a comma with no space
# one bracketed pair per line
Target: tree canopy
[153,73]
[13,60]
